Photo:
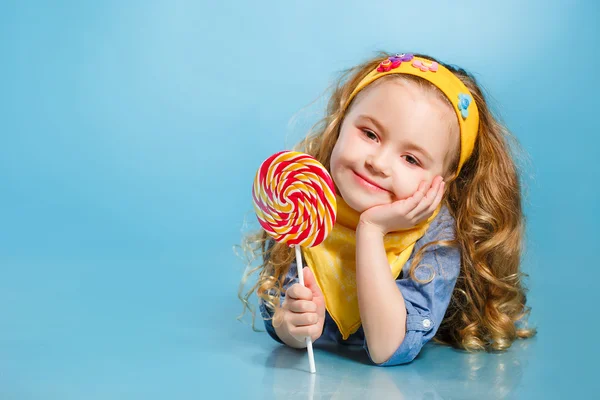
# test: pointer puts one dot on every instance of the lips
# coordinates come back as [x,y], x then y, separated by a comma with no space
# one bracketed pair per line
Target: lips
[369,182]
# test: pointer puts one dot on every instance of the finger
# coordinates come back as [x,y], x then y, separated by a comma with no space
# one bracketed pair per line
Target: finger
[438,197]
[411,202]
[303,319]
[409,206]
[302,306]
[311,282]
[429,197]
[299,292]
[433,190]
[301,332]
[423,208]
[422,189]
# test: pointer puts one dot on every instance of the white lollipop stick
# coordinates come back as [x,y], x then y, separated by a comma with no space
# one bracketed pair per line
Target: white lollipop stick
[311,357]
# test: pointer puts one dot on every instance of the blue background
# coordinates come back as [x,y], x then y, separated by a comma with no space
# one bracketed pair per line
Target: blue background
[130,134]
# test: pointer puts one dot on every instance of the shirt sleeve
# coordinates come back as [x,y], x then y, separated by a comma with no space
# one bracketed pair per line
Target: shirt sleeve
[267,314]
[426,304]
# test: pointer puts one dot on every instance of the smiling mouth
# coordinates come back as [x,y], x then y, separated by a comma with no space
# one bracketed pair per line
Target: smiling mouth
[369,184]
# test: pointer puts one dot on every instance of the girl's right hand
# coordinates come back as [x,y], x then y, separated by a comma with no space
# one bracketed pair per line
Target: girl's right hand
[302,313]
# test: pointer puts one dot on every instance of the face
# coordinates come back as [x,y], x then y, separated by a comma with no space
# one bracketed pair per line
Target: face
[394,136]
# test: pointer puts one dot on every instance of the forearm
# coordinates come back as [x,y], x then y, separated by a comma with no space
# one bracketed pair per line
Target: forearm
[381,304]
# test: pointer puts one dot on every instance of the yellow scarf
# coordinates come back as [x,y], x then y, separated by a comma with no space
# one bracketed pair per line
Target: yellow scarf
[333,263]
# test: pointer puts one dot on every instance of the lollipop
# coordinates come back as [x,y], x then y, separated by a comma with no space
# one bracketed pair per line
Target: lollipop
[294,200]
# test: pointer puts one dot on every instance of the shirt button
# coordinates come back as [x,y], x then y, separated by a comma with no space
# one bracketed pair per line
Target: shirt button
[426,323]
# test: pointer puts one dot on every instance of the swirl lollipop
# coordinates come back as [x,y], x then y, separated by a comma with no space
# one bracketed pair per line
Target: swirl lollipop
[294,200]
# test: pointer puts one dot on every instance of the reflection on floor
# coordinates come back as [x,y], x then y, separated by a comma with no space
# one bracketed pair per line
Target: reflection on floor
[439,372]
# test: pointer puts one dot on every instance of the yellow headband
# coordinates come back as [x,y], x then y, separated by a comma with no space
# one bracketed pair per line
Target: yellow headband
[446,81]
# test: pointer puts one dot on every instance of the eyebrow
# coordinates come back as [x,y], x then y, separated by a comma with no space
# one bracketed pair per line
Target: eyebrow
[410,145]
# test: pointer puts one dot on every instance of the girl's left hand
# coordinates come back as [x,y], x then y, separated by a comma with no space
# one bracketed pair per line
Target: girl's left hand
[406,213]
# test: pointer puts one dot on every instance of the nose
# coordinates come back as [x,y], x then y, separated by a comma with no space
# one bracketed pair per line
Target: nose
[378,162]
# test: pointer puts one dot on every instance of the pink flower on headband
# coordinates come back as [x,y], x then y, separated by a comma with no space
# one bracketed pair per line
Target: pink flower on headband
[394,62]
[433,67]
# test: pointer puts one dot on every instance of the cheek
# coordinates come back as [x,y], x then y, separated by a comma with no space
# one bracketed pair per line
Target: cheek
[334,160]
[406,181]
[348,147]
[334,168]
[340,153]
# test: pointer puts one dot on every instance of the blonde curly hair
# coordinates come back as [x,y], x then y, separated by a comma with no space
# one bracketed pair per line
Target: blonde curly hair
[488,304]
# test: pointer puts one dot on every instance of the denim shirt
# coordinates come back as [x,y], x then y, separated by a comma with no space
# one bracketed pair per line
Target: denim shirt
[426,303]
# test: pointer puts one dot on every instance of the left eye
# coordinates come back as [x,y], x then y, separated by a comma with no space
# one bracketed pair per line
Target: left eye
[369,134]
[412,158]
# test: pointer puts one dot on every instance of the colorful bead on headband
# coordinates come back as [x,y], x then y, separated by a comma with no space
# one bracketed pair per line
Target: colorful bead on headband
[452,87]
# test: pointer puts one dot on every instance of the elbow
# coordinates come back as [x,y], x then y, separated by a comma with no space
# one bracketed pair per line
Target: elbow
[382,354]
[379,361]
[406,352]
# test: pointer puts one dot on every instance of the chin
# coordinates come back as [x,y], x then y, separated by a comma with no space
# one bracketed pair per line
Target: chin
[358,207]
[361,204]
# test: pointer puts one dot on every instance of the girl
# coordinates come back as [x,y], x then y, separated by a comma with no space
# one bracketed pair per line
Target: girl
[426,189]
